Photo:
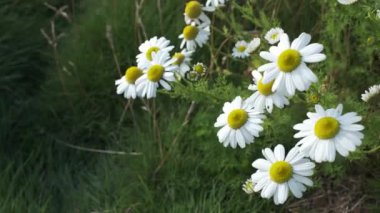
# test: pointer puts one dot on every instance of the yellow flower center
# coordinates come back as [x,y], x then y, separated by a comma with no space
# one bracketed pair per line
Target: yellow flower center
[289,60]
[190,32]
[150,51]
[313,98]
[132,74]
[193,9]
[241,48]
[326,128]
[237,118]
[280,171]
[274,36]
[155,73]
[265,89]
[199,68]
[180,58]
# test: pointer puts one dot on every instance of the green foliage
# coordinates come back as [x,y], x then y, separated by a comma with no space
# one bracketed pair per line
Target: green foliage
[77,105]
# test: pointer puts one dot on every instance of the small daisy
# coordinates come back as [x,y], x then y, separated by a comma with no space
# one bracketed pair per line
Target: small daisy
[243,49]
[347,2]
[328,131]
[264,97]
[193,35]
[200,68]
[183,60]
[240,123]
[148,47]
[273,35]
[194,13]
[371,93]
[287,65]
[160,71]
[215,3]
[248,186]
[126,84]
[277,174]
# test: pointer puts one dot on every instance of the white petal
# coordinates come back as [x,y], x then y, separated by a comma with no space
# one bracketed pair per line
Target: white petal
[314,58]
[279,152]
[261,164]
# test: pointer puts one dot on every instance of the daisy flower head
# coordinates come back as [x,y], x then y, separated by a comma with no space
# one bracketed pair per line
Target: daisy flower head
[215,3]
[264,97]
[240,123]
[372,94]
[273,35]
[347,2]
[126,84]
[248,186]
[287,67]
[328,131]
[149,47]
[243,49]
[278,174]
[160,72]
[200,69]
[193,36]
[182,60]
[194,12]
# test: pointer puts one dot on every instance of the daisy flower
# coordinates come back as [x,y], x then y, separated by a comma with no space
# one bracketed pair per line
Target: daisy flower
[194,13]
[248,186]
[243,49]
[287,65]
[195,35]
[200,69]
[328,131]
[126,84]
[240,123]
[150,46]
[372,92]
[215,3]
[183,60]
[347,2]
[276,174]
[159,72]
[264,97]
[273,35]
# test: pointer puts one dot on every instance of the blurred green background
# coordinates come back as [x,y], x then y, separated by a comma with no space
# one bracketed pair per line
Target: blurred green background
[68,144]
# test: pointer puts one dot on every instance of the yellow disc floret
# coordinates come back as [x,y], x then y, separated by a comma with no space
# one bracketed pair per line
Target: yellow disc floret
[193,9]
[274,36]
[280,171]
[132,74]
[155,72]
[150,51]
[190,32]
[179,58]
[199,68]
[237,118]
[241,48]
[265,89]
[289,60]
[326,128]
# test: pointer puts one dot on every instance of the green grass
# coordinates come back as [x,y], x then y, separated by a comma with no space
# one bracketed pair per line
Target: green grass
[75,103]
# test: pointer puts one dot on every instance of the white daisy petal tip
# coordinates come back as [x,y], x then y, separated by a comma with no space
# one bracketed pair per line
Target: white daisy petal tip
[347,2]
